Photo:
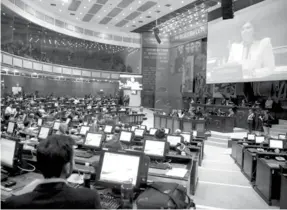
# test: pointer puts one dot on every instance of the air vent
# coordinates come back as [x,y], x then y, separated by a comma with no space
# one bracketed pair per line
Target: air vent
[157,11]
[140,21]
[134,26]
[167,5]
[53,5]
[148,16]
[73,14]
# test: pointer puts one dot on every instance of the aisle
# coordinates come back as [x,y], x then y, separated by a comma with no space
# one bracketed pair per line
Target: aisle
[222,185]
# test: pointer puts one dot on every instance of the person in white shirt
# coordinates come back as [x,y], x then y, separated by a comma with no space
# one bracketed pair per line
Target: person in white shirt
[9,110]
[269,103]
[250,120]
[255,56]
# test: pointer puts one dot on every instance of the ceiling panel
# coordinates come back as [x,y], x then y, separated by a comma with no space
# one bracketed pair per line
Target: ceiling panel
[132,16]
[122,23]
[146,6]
[105,20]
[109,14]
[95,8]
[74,5]
[87,17]
[102,1]
[114,12]
[125,3]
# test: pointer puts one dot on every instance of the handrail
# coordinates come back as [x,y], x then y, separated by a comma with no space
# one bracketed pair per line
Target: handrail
[15,61]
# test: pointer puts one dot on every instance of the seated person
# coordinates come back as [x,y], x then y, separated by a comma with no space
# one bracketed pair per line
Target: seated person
[63,130]
[160,134]
[177,132]
[55,159]
[27,128]
[114,143]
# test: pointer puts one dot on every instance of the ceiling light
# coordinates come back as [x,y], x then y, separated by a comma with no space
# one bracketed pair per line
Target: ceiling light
[85,7]
[81,13]
[182,2]
[140,2]
[60,10]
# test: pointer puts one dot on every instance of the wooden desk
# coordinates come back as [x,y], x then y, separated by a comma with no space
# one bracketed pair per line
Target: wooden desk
[221,124]
[174,123]
[268,180]
[283,192]
[249,163]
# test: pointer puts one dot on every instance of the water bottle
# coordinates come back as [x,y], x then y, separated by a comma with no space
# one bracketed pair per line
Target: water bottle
[127,194]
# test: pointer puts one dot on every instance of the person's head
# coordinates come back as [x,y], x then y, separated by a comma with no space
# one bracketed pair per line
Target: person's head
[230,110]
[250,111]
[266,112]
[177,132]
[269,98]
[27,123]
[247,32]
[10,105]
[55,156]
[160,134]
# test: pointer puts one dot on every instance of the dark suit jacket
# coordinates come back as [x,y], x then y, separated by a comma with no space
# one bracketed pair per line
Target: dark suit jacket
[55,196]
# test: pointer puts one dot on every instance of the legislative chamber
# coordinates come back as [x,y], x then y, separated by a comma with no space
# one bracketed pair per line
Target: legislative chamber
[143,104]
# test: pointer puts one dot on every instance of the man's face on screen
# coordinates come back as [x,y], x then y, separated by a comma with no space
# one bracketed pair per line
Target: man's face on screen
[247,32]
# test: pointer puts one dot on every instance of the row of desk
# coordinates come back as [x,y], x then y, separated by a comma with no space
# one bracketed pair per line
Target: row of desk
[89,165]
[267,175]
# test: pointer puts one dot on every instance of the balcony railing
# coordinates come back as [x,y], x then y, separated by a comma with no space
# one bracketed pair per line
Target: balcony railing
[19,63]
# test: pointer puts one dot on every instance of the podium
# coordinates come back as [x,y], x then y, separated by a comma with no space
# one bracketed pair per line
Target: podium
[174,123]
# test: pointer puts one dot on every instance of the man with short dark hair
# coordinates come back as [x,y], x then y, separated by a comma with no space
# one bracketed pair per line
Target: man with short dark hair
[55,158]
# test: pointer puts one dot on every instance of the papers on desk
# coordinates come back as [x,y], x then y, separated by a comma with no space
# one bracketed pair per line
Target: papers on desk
[76,179]
[177,172]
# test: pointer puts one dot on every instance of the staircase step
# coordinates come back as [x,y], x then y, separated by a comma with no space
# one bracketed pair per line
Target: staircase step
[239,130]
[220,136]
[216,139]
[216,144]
[278,130]
[283,122]
[280,127]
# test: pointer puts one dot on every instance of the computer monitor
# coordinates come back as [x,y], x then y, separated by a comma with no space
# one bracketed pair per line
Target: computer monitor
[11,127]
[93,140]
[84,130]
[282,136]
[134,127]
[186,137]
[174,140]
[108,129]
[126,136]
[251,137]
[155,149]
[40,122]
[56,125]
[276,144]
[43,132]
[259,139]
[113,173]
[152,131]
[166,131]
[194,133]
[139,132]
[143,127]
[8,148]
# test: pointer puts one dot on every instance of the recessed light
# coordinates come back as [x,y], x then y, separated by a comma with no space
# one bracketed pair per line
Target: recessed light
[85,7]
[105,10]
[60,10]
[81,13]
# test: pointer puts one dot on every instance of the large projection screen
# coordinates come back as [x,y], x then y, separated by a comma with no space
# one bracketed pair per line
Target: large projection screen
[250,47]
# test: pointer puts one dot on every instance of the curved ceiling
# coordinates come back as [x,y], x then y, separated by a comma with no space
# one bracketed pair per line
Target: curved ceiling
[118,15]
